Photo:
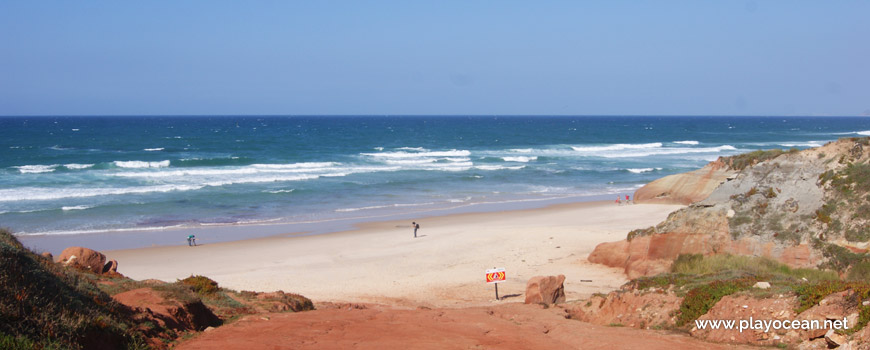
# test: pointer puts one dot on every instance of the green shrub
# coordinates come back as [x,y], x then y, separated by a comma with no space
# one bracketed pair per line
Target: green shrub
[742,161]
[770,193]
[701,299]
[860,272]
[640,232]
[858,234]
[201,285]
[44,305]
[839,258]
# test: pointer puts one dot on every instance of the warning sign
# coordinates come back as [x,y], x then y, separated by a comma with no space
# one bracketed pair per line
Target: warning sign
[495,275]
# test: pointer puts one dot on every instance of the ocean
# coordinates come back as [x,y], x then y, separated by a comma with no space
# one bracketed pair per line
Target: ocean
[83,175]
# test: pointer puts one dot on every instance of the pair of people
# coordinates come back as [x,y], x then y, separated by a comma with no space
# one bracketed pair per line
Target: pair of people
[619,200]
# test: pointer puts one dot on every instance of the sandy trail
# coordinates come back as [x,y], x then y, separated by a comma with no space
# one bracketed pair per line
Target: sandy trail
[382,263]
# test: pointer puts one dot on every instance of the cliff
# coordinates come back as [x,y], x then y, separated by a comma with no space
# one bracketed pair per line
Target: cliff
[685,188]
[804,208]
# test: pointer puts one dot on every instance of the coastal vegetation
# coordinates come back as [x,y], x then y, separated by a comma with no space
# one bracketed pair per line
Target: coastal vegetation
[46,305]
[744,160]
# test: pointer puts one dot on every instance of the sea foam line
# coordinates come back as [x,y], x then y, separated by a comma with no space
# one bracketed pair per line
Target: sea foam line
[140,164]
[36,169]
[616,147]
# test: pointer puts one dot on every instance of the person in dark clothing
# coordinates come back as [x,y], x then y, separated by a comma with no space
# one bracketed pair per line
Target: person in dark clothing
[416,227]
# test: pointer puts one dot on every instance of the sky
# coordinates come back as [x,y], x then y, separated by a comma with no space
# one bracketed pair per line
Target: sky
[435,57]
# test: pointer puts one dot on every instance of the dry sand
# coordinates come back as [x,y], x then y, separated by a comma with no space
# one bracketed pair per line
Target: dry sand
[382,263]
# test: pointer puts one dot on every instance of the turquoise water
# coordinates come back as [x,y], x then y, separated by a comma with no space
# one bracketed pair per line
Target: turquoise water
[76,175]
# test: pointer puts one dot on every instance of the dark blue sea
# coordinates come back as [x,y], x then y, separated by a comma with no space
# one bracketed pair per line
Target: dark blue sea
[78,175]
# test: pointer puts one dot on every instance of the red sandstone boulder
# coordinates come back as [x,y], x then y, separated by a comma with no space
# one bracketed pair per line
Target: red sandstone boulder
[83,258]
[111,266]
[613,254]
[545,289]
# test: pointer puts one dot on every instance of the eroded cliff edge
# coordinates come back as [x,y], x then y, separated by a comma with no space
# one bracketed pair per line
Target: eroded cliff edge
[805,208]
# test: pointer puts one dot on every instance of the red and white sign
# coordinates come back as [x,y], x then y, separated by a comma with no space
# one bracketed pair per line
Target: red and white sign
[495,275]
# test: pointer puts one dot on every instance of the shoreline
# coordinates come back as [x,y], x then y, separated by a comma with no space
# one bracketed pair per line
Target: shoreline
[381,262]
[133,238]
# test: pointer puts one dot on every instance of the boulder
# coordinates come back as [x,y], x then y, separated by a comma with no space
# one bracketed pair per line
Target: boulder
[834,340]
[111,266]
[545,289]
[762,285]
[83,258]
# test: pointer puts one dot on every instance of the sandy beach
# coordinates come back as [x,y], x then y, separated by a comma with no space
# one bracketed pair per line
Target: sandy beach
[382,262]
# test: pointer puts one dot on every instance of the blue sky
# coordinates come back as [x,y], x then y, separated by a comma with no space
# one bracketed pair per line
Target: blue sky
[437,57]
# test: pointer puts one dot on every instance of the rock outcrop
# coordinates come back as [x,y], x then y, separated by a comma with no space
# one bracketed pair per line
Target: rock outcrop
[685,188]
[780,205]
[168,313]
[83,258]
[545,290]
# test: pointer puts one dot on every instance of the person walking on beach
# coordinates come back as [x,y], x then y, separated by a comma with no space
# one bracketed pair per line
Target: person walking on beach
[416,227]
[191,241]
[627,201]
[618,200]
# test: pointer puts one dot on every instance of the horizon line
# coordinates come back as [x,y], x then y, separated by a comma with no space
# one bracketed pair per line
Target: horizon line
[432,115]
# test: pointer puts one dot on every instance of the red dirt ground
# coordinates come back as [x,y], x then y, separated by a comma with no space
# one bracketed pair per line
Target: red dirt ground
[508,326]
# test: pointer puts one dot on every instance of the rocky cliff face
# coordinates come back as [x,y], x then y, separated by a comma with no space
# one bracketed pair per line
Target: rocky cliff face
[802,208]
[685,188]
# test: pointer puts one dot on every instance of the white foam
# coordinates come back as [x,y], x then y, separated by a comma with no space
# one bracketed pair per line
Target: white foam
[41,193]
[304,165]
[418,149]
[36,169]
[265,179]
[74,166]
[687,142]
[863,133]
[153,149]
[521,150]
[616,147]
[280,191]
[498,167]
[666,151]
[134,164]
[803,144]
[410,161]
[642,170]
[76,207]
[451,153]
[519,159]
[398,205]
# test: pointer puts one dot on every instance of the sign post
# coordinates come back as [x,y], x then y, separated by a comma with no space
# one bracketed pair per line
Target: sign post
[495,276]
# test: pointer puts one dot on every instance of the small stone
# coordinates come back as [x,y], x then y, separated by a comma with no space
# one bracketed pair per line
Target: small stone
[745,306]
[762,285]
[209,329]
[834,340]
[866,303]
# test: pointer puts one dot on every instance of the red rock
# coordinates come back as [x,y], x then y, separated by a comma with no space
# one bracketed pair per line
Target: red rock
[171,313]
[613,254]
[111,266]
[545,289]
[83,258]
